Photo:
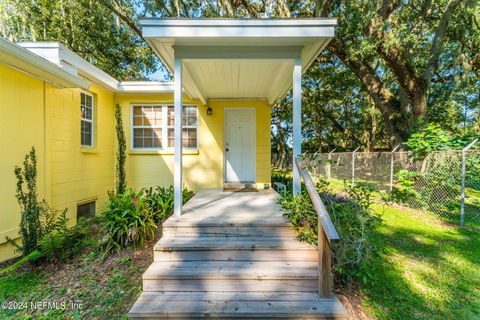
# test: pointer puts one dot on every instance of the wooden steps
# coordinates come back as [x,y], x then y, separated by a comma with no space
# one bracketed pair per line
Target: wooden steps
[236,305]
[216,263]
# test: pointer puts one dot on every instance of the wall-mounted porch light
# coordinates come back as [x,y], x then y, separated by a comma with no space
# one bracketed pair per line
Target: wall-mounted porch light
[209,111]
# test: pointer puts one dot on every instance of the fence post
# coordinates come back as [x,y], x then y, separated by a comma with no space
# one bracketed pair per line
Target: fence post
[353,166]
[464,165]
[329,175]
[391,166]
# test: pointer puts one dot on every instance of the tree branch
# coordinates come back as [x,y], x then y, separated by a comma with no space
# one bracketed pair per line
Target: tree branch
[435,49]
[382,97]
[123,16]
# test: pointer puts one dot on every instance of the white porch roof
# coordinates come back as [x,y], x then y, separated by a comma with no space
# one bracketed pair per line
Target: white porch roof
[237,59]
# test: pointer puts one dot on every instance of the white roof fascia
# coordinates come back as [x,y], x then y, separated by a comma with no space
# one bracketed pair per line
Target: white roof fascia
[186,76]
[192,38]
[63,57]
[145,87]
[15,56]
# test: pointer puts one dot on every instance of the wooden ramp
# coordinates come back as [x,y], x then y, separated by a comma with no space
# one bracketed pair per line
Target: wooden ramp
[232,255]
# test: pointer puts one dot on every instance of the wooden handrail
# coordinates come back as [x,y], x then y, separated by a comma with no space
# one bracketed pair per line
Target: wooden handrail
[327,233]
[323,216]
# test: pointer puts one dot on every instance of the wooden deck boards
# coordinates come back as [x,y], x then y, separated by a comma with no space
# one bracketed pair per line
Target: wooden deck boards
[233,255]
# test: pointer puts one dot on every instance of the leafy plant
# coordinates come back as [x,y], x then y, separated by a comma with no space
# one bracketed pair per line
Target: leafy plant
[128,219]
[404,192]
[27,196]
[283,177]
[161,199]
[435,138]
[352,216]
[121,183]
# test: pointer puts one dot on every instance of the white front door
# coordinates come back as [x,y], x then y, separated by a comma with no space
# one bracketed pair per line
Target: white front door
[240,145]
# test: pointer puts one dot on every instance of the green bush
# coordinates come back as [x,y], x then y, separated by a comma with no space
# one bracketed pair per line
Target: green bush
[405,192]
[353,218]
[27,196]
[43,230]
[160,201]
[283,177]
[121,157]
[128,219]
[62,243]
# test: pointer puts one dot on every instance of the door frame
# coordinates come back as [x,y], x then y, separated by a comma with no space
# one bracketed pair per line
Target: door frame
[254,111]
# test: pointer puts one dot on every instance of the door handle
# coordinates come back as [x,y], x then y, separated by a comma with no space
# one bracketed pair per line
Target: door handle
[226,150]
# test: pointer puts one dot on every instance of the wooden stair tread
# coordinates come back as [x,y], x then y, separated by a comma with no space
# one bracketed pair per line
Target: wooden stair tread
[219,243]
[233,256]
[237,305]
[277,270]
[230,221]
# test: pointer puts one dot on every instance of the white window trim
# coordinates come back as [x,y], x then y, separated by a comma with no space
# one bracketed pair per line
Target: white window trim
[88,120]
[164,126]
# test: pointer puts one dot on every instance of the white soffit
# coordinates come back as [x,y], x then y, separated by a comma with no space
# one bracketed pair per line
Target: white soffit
[234,59]
[19,58]
[74,65]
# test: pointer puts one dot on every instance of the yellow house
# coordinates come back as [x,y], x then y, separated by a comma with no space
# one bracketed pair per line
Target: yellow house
[43,89]
[228,74]
[223,254]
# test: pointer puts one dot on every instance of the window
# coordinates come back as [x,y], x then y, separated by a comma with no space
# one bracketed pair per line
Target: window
[86,124]
[86,210]
[153,126]
[147,126]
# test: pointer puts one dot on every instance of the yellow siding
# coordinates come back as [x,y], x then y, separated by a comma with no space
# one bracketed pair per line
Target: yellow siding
[80,174]
[21,127]
[33,113]
[202,169]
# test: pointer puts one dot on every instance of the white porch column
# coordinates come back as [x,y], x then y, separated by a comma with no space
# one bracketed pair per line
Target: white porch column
[178,110]
[297,122]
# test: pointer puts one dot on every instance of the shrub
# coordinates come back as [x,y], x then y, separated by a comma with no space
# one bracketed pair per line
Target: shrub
[160,200]
[352,216]
[285,178]
[60,242]
[27,197]
[121,183]
[128,219]
[40,226]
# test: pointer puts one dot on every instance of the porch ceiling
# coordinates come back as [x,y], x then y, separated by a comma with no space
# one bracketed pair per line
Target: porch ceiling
[233,59]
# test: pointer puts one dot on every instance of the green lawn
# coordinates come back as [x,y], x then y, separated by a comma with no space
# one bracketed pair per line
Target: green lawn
[426,269]
[106,289]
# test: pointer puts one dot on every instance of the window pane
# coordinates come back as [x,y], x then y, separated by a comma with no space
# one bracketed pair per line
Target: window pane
[88,113]
[171,137]
[138,142]
[171,116]
[89,101]
[189,116]
[157,141]
[137,110]
[138,133]
[82,98]
[189,138]
[147,142]
[86,133]
[137,121]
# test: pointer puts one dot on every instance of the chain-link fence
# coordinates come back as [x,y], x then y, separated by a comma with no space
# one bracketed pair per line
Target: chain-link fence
[446,183]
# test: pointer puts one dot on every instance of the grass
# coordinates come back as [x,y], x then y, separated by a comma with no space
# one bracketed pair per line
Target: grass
[449,213]
[426,269]
[105,289]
